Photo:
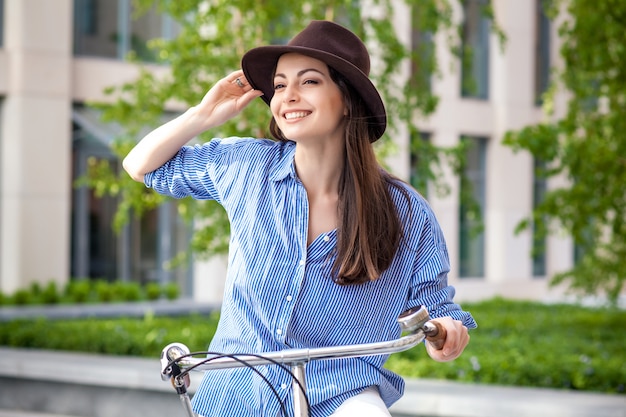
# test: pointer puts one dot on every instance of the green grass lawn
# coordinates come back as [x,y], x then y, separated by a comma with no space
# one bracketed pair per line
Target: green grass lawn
[516,343]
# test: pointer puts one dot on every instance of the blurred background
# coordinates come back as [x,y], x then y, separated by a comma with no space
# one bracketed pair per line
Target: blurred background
[507,115]
[72,74]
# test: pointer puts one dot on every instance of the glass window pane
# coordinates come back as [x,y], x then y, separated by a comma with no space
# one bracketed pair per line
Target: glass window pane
[139,251]
[542,52]
[475,50]
[1,23]
[417,178]
[539,243]
[472,238]
[422,51]
[106,28]
[96,28]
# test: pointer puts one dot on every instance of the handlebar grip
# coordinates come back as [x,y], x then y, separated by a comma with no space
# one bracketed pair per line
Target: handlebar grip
[435,334]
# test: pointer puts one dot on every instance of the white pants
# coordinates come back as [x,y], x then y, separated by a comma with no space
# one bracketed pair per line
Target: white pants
[367,403]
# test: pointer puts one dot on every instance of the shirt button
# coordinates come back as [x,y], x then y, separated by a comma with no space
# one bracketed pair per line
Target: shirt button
[289,298]
[284,386]
[279,331]
[302,262]
[326,238]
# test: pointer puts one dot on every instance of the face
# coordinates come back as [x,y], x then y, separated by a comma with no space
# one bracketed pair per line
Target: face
[307,104]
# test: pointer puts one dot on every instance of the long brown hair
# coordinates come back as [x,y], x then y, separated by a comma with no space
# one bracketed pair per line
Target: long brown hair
[369,230]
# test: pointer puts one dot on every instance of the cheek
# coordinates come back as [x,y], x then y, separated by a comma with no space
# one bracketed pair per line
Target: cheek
[274,106]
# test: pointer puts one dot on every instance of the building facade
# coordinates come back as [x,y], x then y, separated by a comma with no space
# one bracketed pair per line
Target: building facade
[56,56]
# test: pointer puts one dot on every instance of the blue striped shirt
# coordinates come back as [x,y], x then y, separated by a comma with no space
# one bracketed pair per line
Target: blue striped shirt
[279,293]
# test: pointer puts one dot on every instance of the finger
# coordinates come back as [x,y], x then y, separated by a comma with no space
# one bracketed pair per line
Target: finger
[234,75]
[458,342]
[238,78]
[247,97]
[242,82]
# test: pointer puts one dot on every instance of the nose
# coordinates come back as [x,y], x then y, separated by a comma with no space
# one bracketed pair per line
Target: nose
[290,94]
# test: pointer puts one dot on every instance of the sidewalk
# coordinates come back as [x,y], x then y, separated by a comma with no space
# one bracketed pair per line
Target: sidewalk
[450,399]
[423,398]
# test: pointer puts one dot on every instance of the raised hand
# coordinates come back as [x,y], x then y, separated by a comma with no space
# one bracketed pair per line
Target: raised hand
[226,99]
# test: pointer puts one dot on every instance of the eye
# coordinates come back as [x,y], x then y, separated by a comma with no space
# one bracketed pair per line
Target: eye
[278,86]
[310,81]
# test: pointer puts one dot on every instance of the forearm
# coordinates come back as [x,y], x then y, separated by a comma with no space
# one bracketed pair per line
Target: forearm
[163,143]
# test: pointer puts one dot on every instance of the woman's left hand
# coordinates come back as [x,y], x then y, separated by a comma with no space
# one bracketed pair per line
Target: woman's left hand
[456,340]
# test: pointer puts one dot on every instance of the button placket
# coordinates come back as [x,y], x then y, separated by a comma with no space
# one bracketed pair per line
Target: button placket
[300,211]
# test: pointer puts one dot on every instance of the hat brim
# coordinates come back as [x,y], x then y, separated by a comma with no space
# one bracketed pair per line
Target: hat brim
[259,64]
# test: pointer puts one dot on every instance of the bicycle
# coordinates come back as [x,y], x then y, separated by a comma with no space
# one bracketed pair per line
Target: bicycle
[177,360]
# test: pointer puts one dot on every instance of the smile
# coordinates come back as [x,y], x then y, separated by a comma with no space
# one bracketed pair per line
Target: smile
[296,115]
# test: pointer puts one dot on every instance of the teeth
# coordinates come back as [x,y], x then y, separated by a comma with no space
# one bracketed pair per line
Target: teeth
[296,115]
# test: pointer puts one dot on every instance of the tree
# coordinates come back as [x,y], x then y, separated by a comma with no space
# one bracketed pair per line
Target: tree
[215,34]
[587,146]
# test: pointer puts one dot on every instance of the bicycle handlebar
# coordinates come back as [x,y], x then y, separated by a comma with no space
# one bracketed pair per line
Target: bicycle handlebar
[177,360]
[415,321]
[287,356]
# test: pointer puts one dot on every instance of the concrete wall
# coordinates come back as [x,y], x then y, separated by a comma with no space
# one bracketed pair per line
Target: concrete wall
[35,147]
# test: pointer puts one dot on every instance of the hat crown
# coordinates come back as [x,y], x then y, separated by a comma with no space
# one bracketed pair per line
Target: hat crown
[331,38]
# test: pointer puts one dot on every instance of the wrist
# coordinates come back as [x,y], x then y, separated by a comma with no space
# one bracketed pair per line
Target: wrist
[195,121]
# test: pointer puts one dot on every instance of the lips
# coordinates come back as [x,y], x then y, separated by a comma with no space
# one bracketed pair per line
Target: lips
[296,115]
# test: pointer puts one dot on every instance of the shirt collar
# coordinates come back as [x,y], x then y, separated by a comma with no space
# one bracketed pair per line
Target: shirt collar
[284,166]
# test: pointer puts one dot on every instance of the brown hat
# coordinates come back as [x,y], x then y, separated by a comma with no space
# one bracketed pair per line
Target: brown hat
[331,43]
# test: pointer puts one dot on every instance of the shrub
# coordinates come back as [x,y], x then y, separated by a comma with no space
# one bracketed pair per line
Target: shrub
[50,294]
[78,291]
[153,291]
[22,297]
[137,337]
[104,291]
[171,291]
[126,291]
[86,290]
[35,289]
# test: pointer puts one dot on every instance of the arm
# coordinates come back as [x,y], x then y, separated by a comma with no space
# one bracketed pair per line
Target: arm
[430,288]
[223,101]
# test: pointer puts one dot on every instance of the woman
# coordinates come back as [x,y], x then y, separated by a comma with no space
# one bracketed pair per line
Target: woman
[326,247]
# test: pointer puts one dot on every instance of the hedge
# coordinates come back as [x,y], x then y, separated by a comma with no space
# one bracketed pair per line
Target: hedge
[516,343]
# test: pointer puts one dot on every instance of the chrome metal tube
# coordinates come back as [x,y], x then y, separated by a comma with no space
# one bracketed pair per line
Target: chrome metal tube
[299,390]
[294,356]
[184,398]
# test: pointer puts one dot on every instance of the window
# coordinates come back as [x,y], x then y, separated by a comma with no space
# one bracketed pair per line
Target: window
[106,28]
[539,242]
[418,177]
[140,250]
[472,239]
[1,23]
[584,246]
[542,51]
[475,50]
[422,50]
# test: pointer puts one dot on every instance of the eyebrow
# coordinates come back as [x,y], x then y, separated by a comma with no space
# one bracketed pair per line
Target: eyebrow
[301,72]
